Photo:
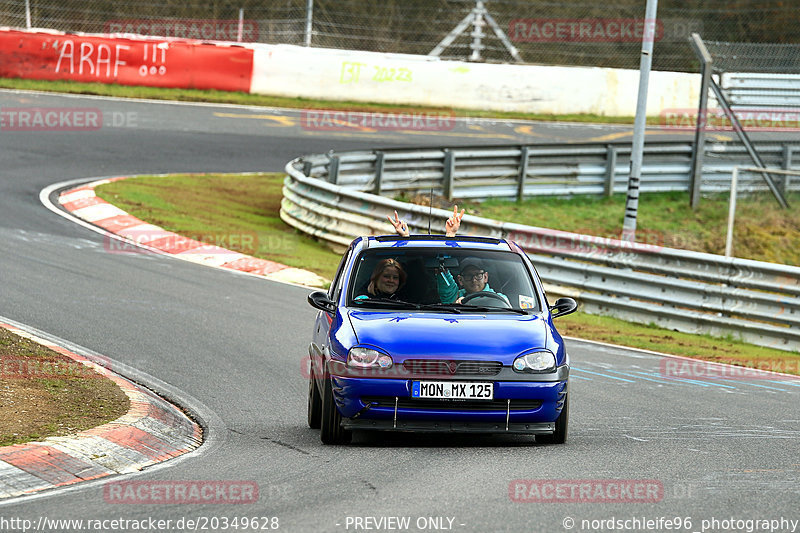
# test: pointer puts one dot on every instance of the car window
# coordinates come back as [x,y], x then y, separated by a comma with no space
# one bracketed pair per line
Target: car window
[335,290]
[434,273]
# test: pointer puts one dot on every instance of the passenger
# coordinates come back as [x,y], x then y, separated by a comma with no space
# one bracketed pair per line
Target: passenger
[451,225]
[473,279]
[388,280]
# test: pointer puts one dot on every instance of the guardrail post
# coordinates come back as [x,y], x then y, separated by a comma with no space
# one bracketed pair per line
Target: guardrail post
[786,165]
[447,174]
[523,172]
[307,166]
[333,169]
[611,167]
[379,161]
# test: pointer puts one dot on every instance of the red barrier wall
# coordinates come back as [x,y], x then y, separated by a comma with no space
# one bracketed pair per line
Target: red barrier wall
[151,62]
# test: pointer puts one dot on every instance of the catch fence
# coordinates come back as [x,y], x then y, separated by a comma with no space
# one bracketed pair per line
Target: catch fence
[562,32]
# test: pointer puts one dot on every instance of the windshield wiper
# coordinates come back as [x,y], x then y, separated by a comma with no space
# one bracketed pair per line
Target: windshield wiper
[484,309]
[402,304]
[387,302]
[439,307]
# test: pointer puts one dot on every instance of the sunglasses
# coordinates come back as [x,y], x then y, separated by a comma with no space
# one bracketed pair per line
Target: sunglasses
[474,277]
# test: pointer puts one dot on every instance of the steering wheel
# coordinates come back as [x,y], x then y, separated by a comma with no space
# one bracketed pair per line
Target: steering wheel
[485,294]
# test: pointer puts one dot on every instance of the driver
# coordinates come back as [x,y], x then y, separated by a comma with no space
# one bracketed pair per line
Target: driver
[473,278]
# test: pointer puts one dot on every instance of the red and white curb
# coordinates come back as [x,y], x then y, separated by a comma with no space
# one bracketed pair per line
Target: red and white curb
[152,431]
[84,204]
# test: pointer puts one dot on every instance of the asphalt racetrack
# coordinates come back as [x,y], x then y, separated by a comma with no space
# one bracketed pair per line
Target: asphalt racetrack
[229,347]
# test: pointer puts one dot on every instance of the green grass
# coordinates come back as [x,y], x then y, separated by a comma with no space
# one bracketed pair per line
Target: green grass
[197,204]
[223,207]
[762,231]
[225,97]
[651,337]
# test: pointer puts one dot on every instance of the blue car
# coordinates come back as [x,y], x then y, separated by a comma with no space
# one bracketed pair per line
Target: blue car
[430,333]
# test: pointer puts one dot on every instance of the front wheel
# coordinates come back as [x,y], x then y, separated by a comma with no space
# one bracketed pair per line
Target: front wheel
[560,434]
[331,430]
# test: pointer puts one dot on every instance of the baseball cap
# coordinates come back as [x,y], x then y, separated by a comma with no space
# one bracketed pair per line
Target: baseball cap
[471,262]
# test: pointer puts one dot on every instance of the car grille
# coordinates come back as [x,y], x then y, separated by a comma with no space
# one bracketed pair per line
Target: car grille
[450,367]
[452,405]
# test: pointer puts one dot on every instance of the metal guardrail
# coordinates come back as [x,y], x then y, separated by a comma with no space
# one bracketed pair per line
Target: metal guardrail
[558,169]
[753,90]
[680,289]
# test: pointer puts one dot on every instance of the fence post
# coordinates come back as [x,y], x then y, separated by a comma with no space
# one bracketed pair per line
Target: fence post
[333,169]
[379,162]
[611,167]
[309,22]
[447,174]
[696,172]
[523,172]
[731,213]
[786,165]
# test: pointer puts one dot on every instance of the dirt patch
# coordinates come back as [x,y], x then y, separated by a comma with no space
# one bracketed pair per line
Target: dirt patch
[45,394]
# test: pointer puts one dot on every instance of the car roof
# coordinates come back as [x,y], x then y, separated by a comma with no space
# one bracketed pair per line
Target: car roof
[438,241]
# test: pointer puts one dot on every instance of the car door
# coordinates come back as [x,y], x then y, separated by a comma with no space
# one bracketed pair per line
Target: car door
[320,345]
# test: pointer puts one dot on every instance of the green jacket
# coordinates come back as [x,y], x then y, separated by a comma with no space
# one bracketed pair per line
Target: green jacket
[449,291]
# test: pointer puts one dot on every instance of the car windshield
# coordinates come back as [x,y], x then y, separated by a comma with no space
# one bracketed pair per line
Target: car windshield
[449,280]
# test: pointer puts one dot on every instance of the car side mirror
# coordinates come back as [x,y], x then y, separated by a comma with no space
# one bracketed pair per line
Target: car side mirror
[563,306]
[320,300]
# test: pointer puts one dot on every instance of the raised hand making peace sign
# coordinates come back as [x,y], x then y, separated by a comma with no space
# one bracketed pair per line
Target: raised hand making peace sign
[451,225]
[399,226]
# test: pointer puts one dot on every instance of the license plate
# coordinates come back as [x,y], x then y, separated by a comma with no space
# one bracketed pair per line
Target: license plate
[452,390]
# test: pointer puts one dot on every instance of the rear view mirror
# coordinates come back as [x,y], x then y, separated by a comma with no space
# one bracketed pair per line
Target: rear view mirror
[320,300]
[563,306]
[444,261]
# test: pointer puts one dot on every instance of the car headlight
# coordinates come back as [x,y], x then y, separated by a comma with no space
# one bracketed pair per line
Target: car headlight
[537,362]
[368,358]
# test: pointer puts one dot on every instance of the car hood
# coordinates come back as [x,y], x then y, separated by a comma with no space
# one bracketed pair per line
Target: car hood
[496,337]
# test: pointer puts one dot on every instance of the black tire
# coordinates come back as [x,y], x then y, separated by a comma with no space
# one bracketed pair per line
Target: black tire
[331,430]
[562,422]
[314,403]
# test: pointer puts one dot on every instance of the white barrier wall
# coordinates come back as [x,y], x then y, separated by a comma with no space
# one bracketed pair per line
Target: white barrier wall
[295,71]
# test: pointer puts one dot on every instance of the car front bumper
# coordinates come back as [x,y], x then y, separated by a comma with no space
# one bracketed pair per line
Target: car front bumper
[530,407]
